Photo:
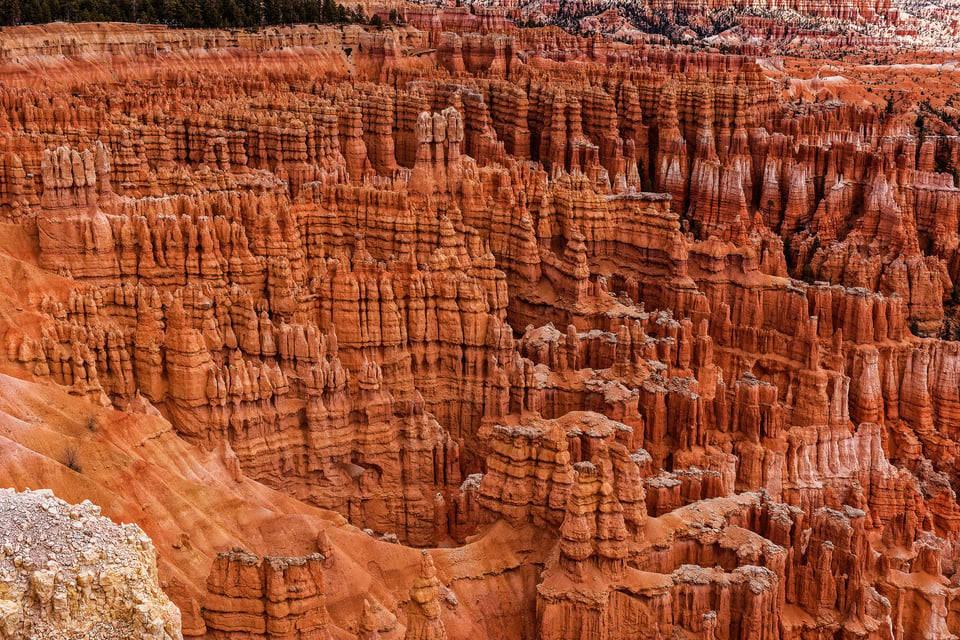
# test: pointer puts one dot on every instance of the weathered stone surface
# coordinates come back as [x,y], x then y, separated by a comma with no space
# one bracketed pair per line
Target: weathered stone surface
[636,345]
[68,572]
[267,597]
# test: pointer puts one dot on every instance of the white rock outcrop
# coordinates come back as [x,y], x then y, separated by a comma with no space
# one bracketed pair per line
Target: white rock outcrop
[67,572]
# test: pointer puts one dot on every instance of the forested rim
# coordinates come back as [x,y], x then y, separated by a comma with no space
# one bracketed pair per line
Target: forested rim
[212,14]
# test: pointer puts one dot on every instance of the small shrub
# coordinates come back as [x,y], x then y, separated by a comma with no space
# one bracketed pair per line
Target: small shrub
[71,458]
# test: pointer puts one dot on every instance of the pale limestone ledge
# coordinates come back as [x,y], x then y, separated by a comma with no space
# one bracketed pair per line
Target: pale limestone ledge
[67,572]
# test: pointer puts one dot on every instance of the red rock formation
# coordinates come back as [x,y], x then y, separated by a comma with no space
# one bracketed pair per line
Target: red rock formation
[266,598]
[517,295]
[423,614]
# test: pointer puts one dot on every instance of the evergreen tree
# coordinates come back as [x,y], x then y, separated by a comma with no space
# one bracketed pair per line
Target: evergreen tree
[329,11]
[211,14]
[9,12]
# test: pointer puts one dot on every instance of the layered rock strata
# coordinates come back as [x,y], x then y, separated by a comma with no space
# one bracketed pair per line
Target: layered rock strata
[452,280]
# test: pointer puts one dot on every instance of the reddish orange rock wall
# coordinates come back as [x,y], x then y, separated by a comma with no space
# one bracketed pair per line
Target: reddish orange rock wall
[450,278]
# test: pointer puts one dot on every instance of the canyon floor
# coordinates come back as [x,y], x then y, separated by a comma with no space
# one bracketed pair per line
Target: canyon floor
[453,329]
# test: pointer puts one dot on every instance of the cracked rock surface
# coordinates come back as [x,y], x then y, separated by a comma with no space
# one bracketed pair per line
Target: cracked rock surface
[67,572]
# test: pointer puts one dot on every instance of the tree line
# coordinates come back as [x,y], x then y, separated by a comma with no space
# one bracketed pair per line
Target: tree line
[210,14]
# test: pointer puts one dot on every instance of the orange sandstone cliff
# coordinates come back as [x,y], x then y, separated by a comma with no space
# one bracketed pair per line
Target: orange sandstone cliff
[459,330]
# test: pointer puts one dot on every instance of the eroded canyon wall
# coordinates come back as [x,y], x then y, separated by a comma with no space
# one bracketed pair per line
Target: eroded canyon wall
[443,280]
